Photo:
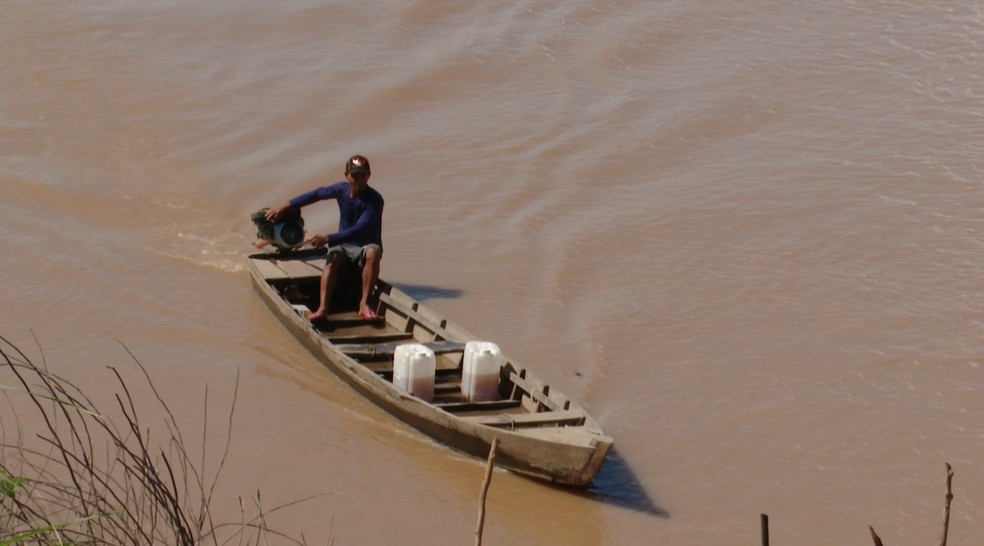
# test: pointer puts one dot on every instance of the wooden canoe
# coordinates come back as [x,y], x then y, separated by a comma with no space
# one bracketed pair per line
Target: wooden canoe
[541,432]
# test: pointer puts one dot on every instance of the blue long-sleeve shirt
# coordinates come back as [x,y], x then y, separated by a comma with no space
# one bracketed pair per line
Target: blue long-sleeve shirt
[360,219]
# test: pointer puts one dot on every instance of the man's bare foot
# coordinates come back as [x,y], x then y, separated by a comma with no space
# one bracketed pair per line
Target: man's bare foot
[260,243]
[317,315]
[365,313]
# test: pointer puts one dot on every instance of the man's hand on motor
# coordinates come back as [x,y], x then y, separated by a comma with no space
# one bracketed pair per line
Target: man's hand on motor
[275,213]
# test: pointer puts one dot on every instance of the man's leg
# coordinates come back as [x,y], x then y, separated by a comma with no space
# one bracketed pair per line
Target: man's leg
[329,277]
[370,274]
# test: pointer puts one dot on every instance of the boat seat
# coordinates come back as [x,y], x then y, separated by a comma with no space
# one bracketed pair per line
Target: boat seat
[381,337]
[441,375]
[277,269]
[460,407]
[350,318]
[387,351]
[520,420]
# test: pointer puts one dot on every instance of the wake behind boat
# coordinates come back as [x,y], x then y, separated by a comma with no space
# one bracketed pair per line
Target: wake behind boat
[432,374]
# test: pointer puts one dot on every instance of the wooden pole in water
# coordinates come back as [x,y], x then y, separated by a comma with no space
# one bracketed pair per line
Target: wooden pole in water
[485,490]
[949,497]
[946,510]
[765,530]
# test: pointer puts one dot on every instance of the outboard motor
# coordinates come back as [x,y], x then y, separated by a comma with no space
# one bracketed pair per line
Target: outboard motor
[287,233]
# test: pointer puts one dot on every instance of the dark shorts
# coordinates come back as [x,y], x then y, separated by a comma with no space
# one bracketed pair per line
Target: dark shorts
[353,254]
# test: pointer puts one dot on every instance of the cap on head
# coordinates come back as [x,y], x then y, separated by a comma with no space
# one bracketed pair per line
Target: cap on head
[356,164]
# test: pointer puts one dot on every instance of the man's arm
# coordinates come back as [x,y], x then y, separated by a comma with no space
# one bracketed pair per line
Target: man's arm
[366,222]
[302,200]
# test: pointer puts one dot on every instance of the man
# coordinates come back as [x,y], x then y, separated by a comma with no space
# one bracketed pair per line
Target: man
[358,241]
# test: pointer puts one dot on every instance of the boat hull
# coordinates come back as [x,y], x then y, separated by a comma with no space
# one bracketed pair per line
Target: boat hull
[570,455]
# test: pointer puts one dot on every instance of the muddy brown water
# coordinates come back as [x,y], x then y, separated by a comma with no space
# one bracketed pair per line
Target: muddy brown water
[748,238]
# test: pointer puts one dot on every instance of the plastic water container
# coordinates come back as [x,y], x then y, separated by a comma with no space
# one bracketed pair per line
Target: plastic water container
[413,370]
[480,371]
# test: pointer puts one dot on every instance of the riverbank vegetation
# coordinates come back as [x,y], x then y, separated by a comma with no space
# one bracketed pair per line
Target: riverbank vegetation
[72,472]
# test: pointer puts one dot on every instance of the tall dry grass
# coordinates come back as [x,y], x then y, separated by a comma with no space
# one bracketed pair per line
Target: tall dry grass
[93,476]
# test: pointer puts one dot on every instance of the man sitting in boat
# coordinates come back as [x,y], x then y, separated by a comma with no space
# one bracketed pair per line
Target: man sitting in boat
[358,241]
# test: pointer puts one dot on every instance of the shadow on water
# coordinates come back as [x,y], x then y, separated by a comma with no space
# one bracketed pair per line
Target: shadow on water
[617,485]
[423,292]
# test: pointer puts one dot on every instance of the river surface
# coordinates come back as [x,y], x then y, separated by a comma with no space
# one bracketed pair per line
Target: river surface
[747,236]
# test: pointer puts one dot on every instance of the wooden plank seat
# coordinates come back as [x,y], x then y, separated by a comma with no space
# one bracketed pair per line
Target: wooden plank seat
[301,269]
[460,407]
[335,320]
[386,351]
[520,420]
[442,376]
[338,321]
[270,271]
[447,389]
[307,267]
[351,318]
[381,337]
